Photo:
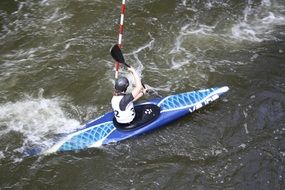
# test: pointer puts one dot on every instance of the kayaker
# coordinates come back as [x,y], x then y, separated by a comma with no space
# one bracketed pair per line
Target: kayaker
[122,102]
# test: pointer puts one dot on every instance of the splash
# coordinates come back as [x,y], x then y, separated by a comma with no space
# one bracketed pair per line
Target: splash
[35,120]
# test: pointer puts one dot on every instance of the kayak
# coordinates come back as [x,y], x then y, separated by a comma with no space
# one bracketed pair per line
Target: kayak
[102,131]
[152,114]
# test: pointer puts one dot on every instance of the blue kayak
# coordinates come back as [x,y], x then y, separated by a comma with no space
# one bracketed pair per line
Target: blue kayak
[159,112]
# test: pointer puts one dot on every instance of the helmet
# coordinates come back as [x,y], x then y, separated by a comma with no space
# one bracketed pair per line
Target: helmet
[121,84]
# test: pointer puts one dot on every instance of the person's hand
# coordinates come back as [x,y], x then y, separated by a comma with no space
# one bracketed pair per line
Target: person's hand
[145,91]
[131,69]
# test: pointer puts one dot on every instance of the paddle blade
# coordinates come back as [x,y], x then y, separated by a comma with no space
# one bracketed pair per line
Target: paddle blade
[117,54]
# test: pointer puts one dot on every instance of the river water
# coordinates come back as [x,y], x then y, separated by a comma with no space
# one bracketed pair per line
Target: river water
[57,74]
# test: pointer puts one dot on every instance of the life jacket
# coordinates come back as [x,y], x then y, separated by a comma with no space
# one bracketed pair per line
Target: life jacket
[123,108]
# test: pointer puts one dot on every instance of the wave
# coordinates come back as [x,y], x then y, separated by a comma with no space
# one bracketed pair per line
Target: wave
[32,122]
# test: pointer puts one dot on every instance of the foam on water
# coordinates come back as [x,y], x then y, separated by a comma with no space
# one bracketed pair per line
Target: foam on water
[257,30]
[182,52]
[135,53]
[138,63]
[187,30]
[266,2]
[36,119]
[57,16]
[258,23]
[1,155]
[28,18]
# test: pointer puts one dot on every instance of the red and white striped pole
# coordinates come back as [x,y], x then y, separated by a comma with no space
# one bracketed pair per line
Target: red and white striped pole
[120,33]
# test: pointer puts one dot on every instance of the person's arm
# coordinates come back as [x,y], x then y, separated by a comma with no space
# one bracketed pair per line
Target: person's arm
[142,92]
[136,92]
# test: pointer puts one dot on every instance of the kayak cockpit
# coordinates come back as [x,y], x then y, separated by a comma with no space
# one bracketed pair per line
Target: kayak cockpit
[145,114]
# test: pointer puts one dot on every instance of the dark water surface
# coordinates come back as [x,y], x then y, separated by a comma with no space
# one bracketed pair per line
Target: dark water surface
[56,74]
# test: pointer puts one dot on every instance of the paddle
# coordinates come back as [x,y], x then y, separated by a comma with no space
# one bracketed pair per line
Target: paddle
[117,54]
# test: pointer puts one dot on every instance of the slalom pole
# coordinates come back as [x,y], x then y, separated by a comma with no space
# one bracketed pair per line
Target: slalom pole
[120,33]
